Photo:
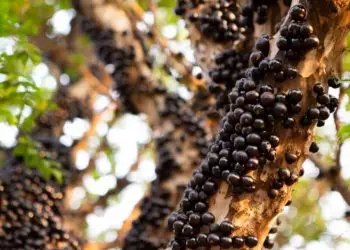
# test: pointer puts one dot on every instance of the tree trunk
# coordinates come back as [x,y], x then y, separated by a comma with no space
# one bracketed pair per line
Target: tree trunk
[181,136]
[244,201]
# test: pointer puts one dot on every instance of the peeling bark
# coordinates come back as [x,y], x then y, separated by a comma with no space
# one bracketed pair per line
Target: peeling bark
[206,49]
[254,213]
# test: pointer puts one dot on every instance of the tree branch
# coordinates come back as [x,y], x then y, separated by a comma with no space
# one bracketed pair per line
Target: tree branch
[175,126]
[333,176]
[226,40]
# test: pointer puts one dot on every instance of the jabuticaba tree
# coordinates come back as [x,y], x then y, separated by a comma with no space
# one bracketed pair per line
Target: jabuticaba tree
[30,212]
[31,205]
[214,29]
[247,178]
[181,136]
[154,211]
[49,128]
[223,35]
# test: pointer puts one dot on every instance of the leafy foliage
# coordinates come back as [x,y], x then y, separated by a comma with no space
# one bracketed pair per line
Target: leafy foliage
[21,100]
[21,19]
[165,11]
[344,132]
[18,20]
[33,157]
[308,220]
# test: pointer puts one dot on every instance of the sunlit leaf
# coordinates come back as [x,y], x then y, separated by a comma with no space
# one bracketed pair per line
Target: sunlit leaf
[344,132]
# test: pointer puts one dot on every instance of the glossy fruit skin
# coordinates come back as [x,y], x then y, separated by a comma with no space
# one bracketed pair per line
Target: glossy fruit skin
[256,111]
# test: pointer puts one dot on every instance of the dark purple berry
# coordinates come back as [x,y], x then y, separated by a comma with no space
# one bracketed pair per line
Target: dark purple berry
[226,242]
[267,99]
[207,218]
[283,173]
[251,241]
[290,157]
[263,44]
[273,193]
[213,239]
[226,228]
[318,89]
[237,242]
[324,113]
[282,43]
[333,83]
[298,13]
[191,243]
[268,243]
[233,179]
[313,113]
[202,240]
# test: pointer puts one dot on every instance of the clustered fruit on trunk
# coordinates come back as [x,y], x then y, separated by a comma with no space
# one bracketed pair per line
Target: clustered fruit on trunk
[261,93]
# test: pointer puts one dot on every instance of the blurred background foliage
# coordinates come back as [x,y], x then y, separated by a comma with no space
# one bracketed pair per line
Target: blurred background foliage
[122,148]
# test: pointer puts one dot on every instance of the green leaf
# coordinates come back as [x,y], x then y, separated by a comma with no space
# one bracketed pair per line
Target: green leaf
[344,132]
[143,3]
[35,158]
[167,4]
[346,61]
[95,175]
[166,16]
[64,4]
[57,174]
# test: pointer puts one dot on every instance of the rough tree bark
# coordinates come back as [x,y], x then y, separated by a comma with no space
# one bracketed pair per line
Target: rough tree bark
[175,126]
[207,49]
[252,214]
[245,33]
[182,136]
